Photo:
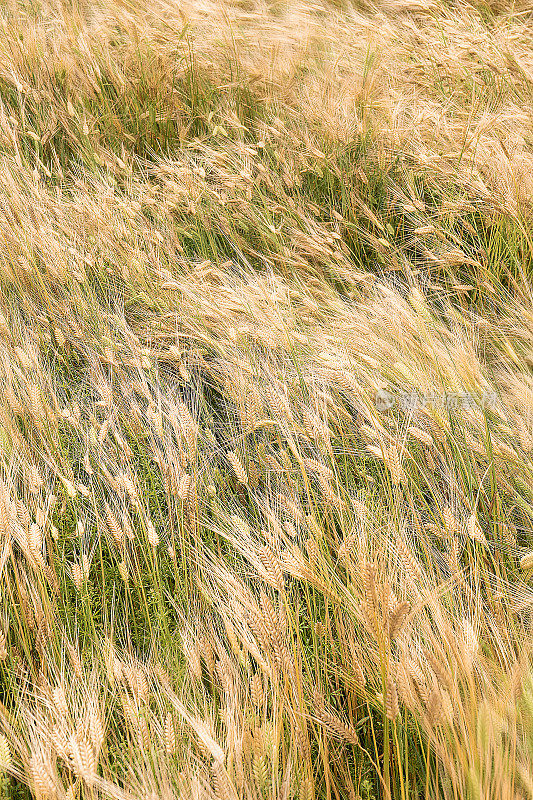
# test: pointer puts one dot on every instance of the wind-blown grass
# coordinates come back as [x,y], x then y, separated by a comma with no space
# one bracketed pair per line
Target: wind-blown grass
[226,571]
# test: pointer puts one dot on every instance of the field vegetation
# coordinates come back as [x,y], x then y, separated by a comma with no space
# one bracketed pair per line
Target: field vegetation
[266,400]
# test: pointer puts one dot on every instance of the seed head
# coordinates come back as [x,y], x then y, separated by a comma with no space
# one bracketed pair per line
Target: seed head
[526,562]
[238,468]
[5,755]
[474,531]
[151,533]
[392,708]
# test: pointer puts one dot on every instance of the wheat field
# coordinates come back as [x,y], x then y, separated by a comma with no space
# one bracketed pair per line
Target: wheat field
[266,400]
